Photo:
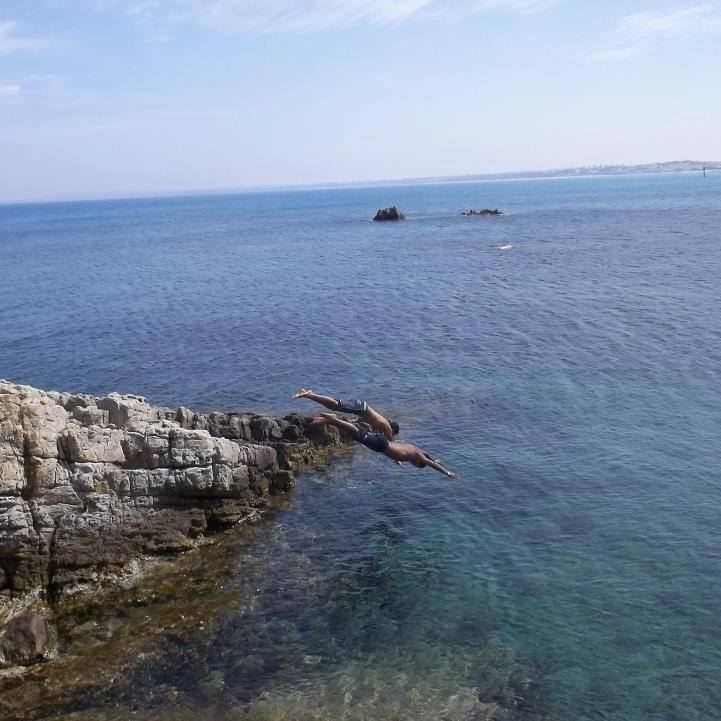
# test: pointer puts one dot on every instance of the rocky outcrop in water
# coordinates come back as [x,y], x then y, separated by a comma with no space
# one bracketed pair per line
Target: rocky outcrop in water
[483,211]
[89,484]
[391,213]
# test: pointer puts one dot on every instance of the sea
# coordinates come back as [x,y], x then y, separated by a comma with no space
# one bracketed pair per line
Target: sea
[564,357]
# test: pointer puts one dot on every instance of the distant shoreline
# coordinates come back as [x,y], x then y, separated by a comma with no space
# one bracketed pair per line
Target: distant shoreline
[596,171]
[673,166]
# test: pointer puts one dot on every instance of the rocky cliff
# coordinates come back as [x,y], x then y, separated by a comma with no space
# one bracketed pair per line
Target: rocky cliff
[88,484]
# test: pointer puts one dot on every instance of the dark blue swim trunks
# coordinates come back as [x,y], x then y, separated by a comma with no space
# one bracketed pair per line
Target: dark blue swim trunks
[352,405]
[375,441]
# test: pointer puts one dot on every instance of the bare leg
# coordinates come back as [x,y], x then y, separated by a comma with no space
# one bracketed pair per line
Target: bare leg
[326,401]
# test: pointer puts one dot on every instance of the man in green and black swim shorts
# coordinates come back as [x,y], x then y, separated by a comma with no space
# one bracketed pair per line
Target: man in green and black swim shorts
[354,407]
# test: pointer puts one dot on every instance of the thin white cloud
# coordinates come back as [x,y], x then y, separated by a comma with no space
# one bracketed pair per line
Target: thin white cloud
[676,21]
[618,52]
[638,32]
[269,16]
[9,91]
[44,92]
[12,42]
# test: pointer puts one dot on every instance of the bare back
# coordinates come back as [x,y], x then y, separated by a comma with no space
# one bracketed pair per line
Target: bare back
[399,451]
[412,454]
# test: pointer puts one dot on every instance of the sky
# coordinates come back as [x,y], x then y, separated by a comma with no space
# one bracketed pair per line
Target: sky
[128,97]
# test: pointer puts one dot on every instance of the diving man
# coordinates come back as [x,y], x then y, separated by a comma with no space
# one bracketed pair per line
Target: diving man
[395,450]
[383,425]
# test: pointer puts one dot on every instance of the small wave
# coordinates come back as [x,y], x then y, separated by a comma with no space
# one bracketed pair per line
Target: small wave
[503,247]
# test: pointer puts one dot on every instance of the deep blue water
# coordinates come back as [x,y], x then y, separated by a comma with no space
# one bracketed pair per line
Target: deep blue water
[565,358]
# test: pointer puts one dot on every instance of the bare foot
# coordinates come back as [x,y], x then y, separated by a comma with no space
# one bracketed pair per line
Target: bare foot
[302,393]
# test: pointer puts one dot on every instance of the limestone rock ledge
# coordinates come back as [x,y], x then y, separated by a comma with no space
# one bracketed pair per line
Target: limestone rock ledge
[88,484]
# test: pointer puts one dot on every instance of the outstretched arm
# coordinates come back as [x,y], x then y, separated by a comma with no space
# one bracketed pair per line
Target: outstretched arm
[431,463]
[326,401]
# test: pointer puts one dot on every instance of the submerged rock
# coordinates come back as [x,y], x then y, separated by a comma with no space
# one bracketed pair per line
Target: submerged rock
[483,211]
[25,640]
[391,213]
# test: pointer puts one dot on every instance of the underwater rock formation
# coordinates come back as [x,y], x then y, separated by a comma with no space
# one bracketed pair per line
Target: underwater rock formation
[25,640]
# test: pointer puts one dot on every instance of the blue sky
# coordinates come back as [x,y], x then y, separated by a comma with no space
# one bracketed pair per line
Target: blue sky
[122,97]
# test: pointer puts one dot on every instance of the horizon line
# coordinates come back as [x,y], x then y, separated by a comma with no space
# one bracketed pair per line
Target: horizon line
[583,171]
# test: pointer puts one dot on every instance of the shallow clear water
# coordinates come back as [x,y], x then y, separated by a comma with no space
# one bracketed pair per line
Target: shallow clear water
[572,378]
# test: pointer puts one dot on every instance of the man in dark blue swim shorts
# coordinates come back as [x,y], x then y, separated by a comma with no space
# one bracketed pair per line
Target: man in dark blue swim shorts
[399,452]
[375,441]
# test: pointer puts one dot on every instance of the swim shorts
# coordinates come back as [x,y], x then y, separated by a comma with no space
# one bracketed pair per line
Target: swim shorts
[352,405]
[375,441]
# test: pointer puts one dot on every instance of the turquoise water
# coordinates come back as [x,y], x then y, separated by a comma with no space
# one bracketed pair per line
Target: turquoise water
[572,378]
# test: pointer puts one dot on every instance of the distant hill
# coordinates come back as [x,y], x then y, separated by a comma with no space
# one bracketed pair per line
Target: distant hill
[671,166]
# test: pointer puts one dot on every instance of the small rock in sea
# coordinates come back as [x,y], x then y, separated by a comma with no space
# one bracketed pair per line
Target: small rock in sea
[483,211]
[391,213]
